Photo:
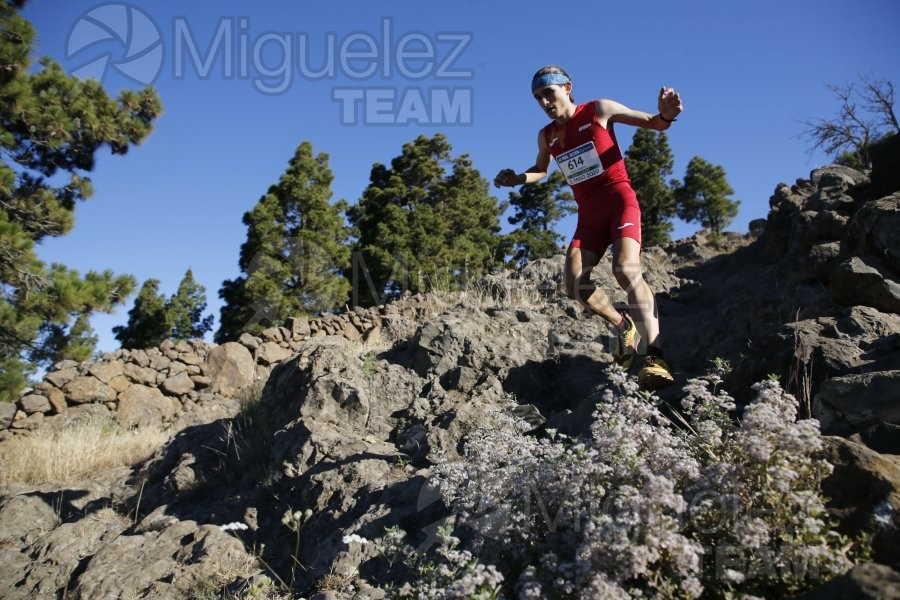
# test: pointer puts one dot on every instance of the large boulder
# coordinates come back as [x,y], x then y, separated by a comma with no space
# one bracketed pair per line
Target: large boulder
[270,353]
[865,281]
[33,403]
[142,405]
[869,581]
[835,176]
[59,553]
[86,389]
[24,519]
[866,325]
[850,403]
[178,385]
[331,390]
[107,371]
[143,375]
[875,229]
[864,494]
[174,562]
[230,368]
[62,376]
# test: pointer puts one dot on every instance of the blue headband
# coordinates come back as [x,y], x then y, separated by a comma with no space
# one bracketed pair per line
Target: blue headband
[548,79]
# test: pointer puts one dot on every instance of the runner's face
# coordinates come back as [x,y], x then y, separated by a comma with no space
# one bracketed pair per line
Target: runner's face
[553,99]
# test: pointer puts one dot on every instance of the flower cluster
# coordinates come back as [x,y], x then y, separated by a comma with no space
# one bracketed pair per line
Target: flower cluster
[653,503]
[445,574]
[294,520]
[759,506]
[355,538]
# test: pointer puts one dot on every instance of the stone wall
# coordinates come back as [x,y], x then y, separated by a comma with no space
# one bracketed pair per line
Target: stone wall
[157,384]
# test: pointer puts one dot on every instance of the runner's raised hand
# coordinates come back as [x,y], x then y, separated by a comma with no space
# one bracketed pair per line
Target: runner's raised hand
[669,104]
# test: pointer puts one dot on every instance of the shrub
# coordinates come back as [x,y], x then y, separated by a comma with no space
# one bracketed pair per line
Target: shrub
[644,506]
[449,573]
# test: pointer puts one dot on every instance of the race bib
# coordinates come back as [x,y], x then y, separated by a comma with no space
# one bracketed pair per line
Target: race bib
[580,164]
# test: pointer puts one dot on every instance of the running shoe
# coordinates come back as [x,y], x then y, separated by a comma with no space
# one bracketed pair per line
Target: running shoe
[626,348]
[655,374]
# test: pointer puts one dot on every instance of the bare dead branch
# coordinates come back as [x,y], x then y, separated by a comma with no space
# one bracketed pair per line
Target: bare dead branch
[878,98]
[864,116]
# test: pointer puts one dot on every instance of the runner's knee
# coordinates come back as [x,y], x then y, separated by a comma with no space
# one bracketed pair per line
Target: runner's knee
[580,290]
[627,274]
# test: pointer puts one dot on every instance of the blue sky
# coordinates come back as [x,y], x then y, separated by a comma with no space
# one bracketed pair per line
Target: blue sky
[748,74]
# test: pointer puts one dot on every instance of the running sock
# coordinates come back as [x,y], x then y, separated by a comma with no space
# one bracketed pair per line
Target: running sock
[623,324]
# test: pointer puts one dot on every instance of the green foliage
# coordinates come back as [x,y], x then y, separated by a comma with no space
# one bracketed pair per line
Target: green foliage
[427,221]
[703,197]
[851,159]
[295,254]
[147,323]
[445,572]
[153,319]
[81,339]
[184,310]
[649,163]
[294,521]
[51,126]
[859,158]
[538,207]
[370,365]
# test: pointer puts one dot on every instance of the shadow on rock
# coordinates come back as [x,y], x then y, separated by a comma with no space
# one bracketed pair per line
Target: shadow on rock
[562,392]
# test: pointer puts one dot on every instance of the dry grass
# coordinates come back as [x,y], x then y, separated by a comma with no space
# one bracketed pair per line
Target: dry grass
[799,380]
[75,452]
[334,582]
[494,290]
[505,292]
[249,396]
[220,585]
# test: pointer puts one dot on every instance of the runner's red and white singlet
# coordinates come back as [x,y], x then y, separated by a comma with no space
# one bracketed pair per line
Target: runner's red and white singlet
[586,152]
[590,159]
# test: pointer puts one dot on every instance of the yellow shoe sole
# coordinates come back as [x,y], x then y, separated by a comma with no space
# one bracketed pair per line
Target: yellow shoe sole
[655,378]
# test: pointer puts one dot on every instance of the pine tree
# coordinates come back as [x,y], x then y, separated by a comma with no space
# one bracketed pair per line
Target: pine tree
[154,319]
[81,339]
[471,227]
[148,323]
[538,208]
[703,197]
[427,221]
[649,163]
[293,260]
[51,125]
[184,310]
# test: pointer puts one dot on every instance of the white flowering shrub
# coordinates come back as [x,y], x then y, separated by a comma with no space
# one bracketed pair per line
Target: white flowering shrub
[651,504]
[444,573]
[757,505]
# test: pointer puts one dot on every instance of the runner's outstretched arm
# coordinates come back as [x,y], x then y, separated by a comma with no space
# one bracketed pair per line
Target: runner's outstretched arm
[668,104]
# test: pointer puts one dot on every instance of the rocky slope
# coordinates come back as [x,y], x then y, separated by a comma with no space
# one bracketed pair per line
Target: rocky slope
[338,416]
